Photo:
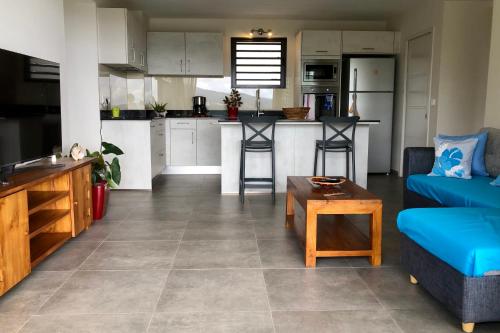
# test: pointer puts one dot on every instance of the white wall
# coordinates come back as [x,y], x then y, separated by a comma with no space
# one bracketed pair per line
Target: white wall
[79,81]
[461,31]
[33,27]
[424,17]
[492,114]
[465,51]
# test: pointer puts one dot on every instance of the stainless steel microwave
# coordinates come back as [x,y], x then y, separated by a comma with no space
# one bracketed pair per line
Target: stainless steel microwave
[320,72]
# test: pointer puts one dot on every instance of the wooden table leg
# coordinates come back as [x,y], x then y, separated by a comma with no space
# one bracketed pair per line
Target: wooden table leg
[311,235]
[376,237]
[290,209]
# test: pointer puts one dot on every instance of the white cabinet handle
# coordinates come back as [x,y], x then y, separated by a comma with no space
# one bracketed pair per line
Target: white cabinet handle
[192,138]
[368,48]
[133,54]
[181,65]
[189,65]
[321,51]
[181,123]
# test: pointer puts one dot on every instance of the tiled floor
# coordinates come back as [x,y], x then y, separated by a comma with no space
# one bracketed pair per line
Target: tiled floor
[186,259]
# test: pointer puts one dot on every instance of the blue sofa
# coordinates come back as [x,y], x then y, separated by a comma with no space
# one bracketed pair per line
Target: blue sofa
[451,235]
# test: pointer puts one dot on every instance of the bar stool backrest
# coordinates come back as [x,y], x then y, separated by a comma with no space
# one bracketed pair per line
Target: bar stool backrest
[255,129]
[339,126]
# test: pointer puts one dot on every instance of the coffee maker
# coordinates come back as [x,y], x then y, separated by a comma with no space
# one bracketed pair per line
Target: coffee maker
[199,106]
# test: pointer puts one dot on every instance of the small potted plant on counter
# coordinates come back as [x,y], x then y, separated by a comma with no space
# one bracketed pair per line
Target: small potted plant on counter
[233,102]
[159,108]
[105,175]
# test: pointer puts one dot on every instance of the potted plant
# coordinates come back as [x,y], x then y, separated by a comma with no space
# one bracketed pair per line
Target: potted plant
[233,102]
[159,108]
[105,175]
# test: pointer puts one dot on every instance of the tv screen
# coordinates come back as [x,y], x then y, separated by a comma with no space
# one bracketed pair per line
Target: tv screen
[30,108]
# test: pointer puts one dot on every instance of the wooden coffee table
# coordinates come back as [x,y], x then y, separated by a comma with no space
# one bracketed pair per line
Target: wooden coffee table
[337,237]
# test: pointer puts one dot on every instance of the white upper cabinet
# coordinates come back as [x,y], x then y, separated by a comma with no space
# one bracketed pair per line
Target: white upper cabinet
[321,43]
[368,42]
[188,54]
[121,38]
[204,54]
[166,53]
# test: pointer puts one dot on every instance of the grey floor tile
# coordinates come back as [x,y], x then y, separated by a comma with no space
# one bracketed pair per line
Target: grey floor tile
[273,230]
[31,293]
[147,230]
[117,213]
[132,255]
[290,254]
[334,321]
[318,290]
[218,231]
[10,323]
[107,292]
[392,287]
[159,213]
[214,290]
[212,322]
[69,257]
[95,323]
[218,254]
[218,216]
[97,232]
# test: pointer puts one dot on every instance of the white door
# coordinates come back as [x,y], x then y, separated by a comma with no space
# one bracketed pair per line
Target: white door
[183,147]
[166,53]
[321,43]
[204,54]
[418,77]
[208,143]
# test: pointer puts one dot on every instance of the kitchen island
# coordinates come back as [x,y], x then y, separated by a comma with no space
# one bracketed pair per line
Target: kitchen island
[295,144]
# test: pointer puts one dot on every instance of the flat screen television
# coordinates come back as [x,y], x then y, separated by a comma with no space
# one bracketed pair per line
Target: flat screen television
[30,109]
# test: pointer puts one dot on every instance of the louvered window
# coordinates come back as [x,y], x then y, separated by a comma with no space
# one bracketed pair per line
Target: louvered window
[258,62]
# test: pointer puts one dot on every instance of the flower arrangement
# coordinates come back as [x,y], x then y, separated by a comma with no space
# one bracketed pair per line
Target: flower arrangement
[233,100]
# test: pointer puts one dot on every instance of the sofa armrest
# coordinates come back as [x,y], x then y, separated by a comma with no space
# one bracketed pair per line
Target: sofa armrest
[418,160]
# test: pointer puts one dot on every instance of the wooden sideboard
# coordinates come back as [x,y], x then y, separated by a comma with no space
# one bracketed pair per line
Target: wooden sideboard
[40,209]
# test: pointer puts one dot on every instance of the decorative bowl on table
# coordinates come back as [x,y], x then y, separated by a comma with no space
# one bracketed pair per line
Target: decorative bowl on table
[327,181]
[298,113]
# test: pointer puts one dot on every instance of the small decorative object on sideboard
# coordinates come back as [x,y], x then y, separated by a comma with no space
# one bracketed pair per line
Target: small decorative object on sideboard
[77,152]
[298,113]
[105,175]
[115,112]
[233,102]
[159,108]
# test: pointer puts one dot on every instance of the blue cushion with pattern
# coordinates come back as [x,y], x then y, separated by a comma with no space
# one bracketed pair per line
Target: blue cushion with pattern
[453,158]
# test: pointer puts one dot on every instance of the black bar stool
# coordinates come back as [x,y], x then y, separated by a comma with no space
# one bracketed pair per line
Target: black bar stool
[255,140]
[339,142]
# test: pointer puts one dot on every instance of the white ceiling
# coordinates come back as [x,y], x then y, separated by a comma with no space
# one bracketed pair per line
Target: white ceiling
[283,9]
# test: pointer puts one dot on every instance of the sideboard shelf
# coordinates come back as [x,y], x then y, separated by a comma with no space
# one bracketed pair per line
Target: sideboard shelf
[38,200]
[45,219]
[45,244]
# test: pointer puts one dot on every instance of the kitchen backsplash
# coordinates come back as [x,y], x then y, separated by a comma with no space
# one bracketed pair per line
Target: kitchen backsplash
[136,91]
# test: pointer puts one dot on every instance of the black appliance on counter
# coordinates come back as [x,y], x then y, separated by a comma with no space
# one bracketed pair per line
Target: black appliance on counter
[199,106]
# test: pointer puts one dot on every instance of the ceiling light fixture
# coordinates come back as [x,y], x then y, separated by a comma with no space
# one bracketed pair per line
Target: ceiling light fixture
[260,32]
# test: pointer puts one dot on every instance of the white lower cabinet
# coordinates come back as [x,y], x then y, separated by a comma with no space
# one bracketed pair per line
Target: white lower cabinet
[194,142]
[143,144]
[208,142]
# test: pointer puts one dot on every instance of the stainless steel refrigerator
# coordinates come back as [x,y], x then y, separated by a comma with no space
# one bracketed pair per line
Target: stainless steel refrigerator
[371,80]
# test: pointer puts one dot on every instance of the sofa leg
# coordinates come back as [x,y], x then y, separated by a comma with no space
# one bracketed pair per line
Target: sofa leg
[413,280]
[468,327]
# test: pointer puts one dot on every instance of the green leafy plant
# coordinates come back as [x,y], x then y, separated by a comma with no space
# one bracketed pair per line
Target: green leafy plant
[104,171]
[233,100]
[158,107]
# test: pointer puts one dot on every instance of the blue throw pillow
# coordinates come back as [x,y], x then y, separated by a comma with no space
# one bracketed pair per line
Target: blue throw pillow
[478,165]
[496,182]
[453,158]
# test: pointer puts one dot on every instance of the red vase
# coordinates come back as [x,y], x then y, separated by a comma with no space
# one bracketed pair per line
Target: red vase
[232,113]
[100,193]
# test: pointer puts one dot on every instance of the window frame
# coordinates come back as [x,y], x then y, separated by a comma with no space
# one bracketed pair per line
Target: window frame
[282,40]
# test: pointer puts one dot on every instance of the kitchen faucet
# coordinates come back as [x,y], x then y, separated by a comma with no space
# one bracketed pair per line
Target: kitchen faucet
[257,96]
